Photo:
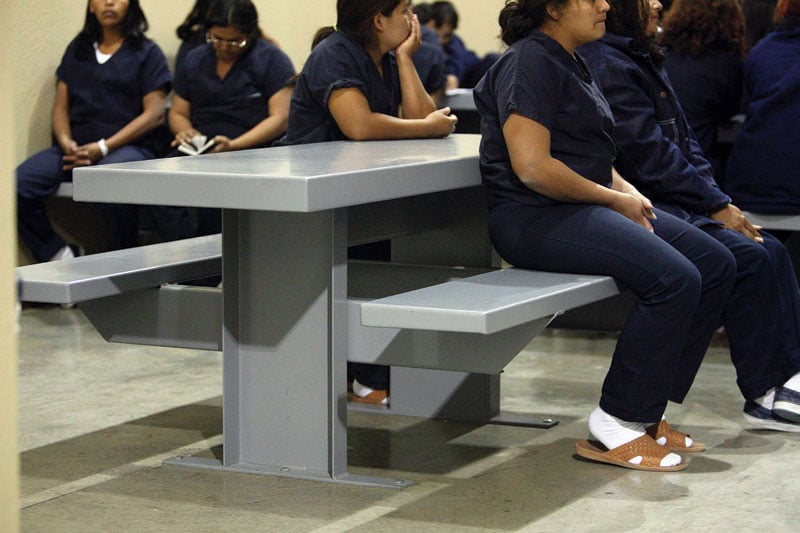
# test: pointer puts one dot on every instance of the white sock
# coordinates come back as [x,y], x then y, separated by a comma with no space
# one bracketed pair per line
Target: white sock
[793,383]
[361,390]
[614,432]
[768,400]
[64,253]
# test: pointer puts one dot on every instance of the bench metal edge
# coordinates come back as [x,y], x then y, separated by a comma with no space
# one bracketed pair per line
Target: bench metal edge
[471,305]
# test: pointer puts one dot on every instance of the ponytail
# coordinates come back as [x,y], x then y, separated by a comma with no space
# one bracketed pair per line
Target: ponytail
[520,17]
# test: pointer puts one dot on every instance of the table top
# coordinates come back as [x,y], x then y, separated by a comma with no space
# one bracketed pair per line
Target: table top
[459,100]
[301,178]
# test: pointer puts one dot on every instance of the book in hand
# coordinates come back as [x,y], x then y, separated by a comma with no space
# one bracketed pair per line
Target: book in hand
[198,145]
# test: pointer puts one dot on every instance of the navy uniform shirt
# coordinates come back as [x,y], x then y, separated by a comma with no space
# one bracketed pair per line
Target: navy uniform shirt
[237,103]
[709,89]
[538,79]
[763,173]
[431,61]
[338,62]
[103,98]
[658,152]
[431,64]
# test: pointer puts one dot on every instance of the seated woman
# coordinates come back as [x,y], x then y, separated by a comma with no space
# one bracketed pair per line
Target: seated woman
[556,203]
[663,160]
[111,93]
[233,90]
[764,171]
[705,42]
[352,87]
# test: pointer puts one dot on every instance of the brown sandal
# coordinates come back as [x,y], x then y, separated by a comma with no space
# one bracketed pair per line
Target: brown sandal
[676,440]
[644,446]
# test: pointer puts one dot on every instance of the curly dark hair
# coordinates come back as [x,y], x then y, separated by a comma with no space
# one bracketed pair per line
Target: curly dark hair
[696,27]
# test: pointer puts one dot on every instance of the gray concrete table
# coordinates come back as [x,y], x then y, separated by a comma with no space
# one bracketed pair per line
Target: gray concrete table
[459,100]
[286,213]
[462,104]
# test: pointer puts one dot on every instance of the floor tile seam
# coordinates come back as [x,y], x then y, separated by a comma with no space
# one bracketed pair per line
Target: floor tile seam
[386,507]
[115,473]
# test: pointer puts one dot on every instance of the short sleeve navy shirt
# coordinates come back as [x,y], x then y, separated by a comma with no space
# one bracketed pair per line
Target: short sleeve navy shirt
[338,62]
[431,65]
[237,103]
[538,79]
[103,98]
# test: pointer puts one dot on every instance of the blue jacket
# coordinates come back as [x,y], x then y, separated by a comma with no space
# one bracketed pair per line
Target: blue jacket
[709,88]
[658,153]
[764,167]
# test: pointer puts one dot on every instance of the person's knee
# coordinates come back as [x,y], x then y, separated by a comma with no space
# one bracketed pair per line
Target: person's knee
[680,288]
[776,249]
[753,257]
[39,175]
[723,271]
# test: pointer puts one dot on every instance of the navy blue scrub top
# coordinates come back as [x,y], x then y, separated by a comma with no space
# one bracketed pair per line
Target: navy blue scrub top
[236,104]
[538,79]
[338,62]
[431,64]
[103,98]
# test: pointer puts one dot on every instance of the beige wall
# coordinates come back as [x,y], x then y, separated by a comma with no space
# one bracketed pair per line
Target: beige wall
[291,23]
[9,466]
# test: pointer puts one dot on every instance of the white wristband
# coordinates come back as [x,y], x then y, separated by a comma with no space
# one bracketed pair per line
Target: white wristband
[103,147]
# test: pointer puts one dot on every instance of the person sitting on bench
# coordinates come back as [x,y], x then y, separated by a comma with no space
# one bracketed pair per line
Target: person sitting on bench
[663,159]
[352,87]
[556,203]
[233,90]
[111,93]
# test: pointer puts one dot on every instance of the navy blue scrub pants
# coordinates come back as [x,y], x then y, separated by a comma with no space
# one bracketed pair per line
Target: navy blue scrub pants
[681,276]
[762,317]
[40,176]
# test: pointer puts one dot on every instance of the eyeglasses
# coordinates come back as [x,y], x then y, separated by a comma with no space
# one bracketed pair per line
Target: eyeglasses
[230,42]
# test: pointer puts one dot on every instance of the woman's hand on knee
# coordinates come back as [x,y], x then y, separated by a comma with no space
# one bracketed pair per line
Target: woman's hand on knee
[733,218]
[635,207]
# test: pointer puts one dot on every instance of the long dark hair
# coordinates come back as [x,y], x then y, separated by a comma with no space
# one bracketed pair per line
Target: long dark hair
[697,27]
[628,18]
[240,14]
[134,25]
[354,17]
[196,19]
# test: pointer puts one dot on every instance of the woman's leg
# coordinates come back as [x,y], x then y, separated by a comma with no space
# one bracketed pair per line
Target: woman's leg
[595,240]
[761,317]
[38,178]
[122,219]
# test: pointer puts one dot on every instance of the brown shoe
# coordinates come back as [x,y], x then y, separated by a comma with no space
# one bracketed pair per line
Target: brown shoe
[376,397]
[675,440]
[363,394]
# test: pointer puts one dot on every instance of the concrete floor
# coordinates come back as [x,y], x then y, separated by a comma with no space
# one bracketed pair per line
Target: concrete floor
[98,419]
